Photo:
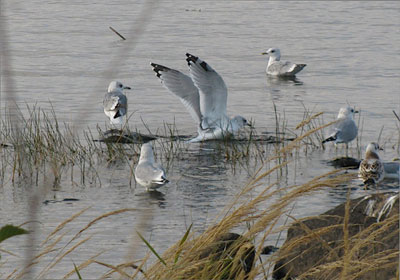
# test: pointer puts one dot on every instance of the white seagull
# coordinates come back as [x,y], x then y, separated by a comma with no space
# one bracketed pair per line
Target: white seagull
[371,169]
[115,102]
[276,67]
[204,95]
[345,129]
[148,173]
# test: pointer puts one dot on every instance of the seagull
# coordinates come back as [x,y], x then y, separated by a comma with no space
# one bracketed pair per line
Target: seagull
[204,95]
[371,169]
[148,173]
[345,129]
[276,67]
[115,102]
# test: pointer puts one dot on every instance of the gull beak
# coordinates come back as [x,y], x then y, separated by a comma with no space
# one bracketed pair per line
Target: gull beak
[249,125]
[263,53]
[127,87]
[356,111]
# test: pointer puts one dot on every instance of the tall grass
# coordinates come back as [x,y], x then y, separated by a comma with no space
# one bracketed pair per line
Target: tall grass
[255,211]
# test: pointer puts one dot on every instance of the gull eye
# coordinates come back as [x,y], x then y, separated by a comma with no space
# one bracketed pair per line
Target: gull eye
[120,85]
[272,51]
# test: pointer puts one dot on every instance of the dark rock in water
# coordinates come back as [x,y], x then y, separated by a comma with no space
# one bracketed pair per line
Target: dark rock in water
[315,247]
[345,162]
[125,137]
[235,252]
[269,249]
[47,201]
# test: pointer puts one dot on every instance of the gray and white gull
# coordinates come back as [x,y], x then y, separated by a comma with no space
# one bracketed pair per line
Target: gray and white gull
[115,102]
[148,173]
[204,95]
[279,68]
[345,129]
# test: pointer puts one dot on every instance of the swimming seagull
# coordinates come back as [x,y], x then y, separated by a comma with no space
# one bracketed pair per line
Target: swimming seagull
[276,67]
[115,102]
[371,169]
[345,129]
[204,95]
[148,173]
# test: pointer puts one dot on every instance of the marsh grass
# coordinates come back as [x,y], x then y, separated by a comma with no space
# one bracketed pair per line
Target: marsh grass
[255,212]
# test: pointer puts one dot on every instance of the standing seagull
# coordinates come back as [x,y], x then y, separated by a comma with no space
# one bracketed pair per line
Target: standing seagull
[115,102]
[345,128]
[276,67]
[148,173]
[371,169]
[204,95]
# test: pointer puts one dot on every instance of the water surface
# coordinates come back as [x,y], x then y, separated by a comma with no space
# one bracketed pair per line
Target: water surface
[62,57]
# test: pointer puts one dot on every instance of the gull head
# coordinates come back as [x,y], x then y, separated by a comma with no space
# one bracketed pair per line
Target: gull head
[346,112]
[146,152]
[273,52]
[373,148]
[239,122]
[116,86]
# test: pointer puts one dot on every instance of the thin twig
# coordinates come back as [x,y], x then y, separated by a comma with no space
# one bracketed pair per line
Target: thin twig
[119,34]
[397,116]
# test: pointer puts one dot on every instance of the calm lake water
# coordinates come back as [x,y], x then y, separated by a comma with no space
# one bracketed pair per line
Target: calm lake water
[64,55]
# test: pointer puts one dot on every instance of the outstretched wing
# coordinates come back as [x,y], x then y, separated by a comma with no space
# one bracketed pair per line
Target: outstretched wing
[212,88]
[182,86]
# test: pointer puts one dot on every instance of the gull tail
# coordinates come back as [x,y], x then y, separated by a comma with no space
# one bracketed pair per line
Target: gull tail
[298,68]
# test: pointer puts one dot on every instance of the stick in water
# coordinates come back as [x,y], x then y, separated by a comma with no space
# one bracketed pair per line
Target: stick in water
[116,32]
[394,112]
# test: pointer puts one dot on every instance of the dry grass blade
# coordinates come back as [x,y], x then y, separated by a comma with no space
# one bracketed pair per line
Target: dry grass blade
[62,225]
[63,255]
[82,265]
[296,141]
[346,242]
[114,268]
[115,212]
[308,120]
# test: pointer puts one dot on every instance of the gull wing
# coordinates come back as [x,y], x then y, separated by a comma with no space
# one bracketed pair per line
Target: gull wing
[182,86]
[285,68]
[212,88]
[113,100]
[346,130]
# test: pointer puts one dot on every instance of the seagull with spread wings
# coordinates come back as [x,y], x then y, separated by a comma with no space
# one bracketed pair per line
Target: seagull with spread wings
[204,95]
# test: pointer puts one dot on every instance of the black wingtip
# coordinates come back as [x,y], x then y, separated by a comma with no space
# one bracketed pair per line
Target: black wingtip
[159,68]
[191,58]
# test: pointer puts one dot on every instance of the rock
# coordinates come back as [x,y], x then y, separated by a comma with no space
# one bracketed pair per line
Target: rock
[345,162]
[124,137]
[314,248]
[228,248]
